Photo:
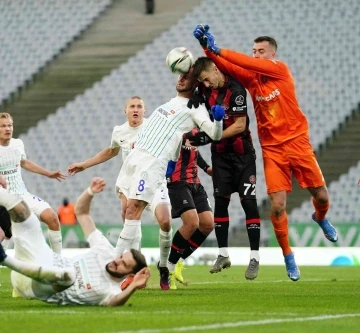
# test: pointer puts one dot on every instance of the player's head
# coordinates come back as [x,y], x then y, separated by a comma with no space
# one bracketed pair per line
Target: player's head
[135,109]
[264,47]
[208,73]
[130,262]
[186,84]
[6,126]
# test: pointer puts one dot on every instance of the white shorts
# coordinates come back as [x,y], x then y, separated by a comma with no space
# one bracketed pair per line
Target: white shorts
[36,204]
[141,175]
[30,246]
[161,197]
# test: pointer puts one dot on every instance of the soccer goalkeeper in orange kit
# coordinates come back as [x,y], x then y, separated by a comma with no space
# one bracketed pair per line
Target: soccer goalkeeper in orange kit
[283,132]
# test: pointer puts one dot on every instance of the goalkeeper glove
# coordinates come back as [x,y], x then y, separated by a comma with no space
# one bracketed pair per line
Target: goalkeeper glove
[211,44]
[218,112]
[199,33]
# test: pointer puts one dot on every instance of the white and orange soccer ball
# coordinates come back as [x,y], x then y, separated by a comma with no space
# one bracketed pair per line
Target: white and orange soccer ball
[179,60]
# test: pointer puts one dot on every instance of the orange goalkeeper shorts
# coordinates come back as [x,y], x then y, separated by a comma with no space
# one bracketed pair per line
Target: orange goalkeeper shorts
[293,157]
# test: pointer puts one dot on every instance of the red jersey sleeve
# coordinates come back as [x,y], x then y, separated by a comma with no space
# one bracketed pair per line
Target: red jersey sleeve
[267,67]
[244,76]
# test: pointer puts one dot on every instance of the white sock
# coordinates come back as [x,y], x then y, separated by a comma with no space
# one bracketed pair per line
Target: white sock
[127,235]
[55,239]
[255,255]
[165,246]
[49,275]
[136,243]
[223,251]
[8,200]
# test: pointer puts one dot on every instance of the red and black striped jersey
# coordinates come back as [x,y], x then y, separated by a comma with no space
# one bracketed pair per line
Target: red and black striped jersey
[186,168]
[232,97]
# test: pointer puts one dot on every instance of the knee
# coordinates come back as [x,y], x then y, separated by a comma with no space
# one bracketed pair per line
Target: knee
[206,223]
[165,224]
[51,219]
[250,208]
[278,207]
[322,197]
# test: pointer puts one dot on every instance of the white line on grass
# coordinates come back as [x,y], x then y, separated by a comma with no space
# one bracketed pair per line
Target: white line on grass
[265,281]
[244,323]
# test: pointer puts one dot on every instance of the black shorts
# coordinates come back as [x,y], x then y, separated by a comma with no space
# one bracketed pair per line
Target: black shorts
[234,173]
[185,196]
[5,222]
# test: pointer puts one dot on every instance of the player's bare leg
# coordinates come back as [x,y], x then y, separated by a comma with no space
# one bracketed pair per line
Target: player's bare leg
[49,217]
[321,204]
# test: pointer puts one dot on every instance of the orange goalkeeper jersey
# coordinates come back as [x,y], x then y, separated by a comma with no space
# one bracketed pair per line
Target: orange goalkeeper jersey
[272,88]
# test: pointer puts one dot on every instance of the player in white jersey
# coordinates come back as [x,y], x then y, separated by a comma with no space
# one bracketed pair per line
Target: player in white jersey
[92,278]
[12,159]
[124,137]
[158,142]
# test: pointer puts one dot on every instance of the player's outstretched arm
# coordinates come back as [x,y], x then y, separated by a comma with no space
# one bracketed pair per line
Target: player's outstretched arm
[82,206]
[139,281]
[33,167]
[105,155]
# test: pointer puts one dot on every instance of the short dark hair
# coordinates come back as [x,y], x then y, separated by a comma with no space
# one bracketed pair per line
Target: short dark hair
[139,259]
[271,40]
[201,64]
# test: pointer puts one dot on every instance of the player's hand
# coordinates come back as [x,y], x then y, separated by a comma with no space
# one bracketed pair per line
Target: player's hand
[97,185]
[196,99]
[3,182]
[199,33]
[209,171]
[199,139]
[74,168]
[211,44]
[218,112]
[141,278]
[57,175]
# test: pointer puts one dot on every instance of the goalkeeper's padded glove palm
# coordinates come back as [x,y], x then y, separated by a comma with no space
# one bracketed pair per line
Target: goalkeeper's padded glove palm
[218,112]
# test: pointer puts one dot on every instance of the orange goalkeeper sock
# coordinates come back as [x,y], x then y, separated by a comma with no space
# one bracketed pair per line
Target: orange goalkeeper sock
[280,224]
[320,209]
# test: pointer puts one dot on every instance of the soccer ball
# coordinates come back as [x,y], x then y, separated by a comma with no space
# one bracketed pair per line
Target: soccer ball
[179,60]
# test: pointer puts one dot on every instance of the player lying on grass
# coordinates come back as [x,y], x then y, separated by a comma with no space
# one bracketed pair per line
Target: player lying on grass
[92,278]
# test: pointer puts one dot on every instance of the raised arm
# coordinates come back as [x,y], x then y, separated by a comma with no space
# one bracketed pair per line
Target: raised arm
[82,206]
[103,156]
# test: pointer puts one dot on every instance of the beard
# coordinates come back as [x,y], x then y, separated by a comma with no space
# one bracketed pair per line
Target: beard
[115,274]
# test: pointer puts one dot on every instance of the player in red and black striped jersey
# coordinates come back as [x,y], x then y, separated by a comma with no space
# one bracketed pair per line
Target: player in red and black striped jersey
[233,161]
[190,202]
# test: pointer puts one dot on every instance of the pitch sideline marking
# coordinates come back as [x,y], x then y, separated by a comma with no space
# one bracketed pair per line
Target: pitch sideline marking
[244,323]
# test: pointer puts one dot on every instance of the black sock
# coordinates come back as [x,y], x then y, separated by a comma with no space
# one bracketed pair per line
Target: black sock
[221,219]
[178,246]
[252,222]
[196,239]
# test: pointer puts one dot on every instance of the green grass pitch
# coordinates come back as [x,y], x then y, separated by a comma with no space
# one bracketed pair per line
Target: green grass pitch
[326,299]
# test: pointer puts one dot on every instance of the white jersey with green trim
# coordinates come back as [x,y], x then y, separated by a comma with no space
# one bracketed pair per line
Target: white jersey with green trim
[163,132]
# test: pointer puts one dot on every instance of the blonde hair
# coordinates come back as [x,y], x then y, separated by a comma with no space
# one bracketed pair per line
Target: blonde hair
[5,115]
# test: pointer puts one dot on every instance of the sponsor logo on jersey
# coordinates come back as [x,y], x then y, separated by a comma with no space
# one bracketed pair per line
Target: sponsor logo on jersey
[8,172]
[164,112]
[268,98]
